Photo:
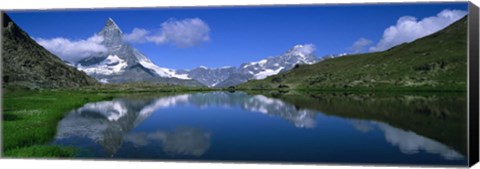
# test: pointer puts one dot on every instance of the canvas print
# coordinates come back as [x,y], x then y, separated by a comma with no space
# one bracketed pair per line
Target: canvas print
[325,84]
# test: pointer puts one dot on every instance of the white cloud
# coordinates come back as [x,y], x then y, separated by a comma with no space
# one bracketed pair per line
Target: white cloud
[181,33]
[359,45]
[305,49]
[138,35]
[408,28]
[73,50]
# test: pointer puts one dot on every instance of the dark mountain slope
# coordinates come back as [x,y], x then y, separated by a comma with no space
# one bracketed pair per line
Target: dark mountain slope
[26,63]
[434,62]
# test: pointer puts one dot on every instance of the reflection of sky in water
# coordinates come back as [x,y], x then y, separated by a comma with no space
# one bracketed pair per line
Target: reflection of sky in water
[407,141]
[115,124]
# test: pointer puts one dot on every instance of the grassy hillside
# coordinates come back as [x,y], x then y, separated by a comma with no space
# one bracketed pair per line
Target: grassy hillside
[434,62]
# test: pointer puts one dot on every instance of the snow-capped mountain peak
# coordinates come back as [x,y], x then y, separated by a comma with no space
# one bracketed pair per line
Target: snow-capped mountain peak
[112,34]
[122,63]
[111,24]
[299,54]
[302,54]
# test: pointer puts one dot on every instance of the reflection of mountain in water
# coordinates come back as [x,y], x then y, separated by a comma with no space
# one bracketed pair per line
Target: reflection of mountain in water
[258,103]
[441,117]
[103,122]
[108,123]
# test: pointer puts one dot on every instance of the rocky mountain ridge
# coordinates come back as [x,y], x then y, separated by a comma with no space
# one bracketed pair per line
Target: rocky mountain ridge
[26,63]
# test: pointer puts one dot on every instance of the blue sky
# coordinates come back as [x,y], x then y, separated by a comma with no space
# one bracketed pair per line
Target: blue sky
[242,34]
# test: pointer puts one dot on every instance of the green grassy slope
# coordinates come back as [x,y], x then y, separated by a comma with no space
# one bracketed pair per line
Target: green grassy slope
[29,119]
[434,62]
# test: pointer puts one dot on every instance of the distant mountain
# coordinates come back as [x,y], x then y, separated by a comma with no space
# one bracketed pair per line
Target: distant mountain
[298,55]
[209,76]
[435,62]
[26,63]
[230,76]
[123,64]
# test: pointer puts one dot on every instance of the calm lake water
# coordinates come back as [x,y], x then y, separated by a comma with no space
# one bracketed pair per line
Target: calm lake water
[293,127]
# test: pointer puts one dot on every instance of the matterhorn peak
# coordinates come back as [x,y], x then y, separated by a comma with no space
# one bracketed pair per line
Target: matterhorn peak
[111,33]
[111,25]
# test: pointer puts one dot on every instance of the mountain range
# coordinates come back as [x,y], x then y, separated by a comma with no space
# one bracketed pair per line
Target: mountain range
[230,76]
[122,63]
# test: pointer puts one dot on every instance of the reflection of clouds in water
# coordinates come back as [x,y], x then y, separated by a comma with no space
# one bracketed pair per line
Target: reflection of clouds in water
[267,100]
[411,143]
[181,141]
[304,119]
[362,125]
[138,139]
[407,141]
[75,125]
[187,141]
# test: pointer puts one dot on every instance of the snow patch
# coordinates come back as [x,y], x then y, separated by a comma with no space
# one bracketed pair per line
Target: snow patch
[111,65]
[247,65]
[268,72]
[262,62]
[214,84]
[162,72]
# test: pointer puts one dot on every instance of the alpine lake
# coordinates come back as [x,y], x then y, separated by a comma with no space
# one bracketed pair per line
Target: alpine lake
[292,127]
